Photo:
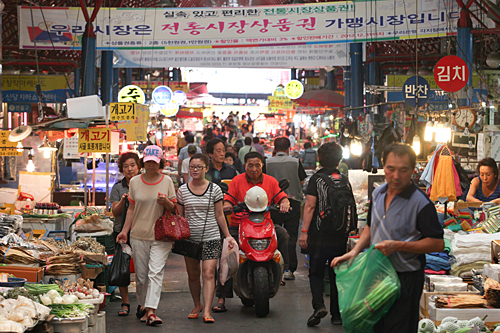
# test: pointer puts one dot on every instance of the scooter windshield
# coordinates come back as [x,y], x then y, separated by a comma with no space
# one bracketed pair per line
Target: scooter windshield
[256,217]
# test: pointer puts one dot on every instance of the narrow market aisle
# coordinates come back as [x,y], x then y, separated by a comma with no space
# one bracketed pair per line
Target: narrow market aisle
[290,309]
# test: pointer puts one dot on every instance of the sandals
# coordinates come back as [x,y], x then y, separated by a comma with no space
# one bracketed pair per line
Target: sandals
[124,312]
[195,315]
[140,312]
[153,320]
[208,320]
[220,307]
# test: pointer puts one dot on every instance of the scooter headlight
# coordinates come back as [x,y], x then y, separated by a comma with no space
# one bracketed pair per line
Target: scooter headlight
[259,244]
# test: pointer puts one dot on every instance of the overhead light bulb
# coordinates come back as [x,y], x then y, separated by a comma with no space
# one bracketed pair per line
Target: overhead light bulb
[356,147]
[416,144]
[31,166]
[331,117]
[46,153]
[323,125]
[313,129]
[19,146]
[450,105]
[158,135]
[346,153]
[124,146]
[466,131]
[429,131]
[315,136]
[47,147]
[441,135]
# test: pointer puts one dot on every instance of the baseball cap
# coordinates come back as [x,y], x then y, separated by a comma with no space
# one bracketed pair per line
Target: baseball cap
[152,153]
[192,149]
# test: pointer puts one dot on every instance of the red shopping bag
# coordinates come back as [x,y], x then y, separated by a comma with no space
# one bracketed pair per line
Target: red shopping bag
[172,227]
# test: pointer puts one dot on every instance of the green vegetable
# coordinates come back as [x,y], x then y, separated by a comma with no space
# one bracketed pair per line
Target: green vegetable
[41,289]
[70,310]
[19,291]
[464,330]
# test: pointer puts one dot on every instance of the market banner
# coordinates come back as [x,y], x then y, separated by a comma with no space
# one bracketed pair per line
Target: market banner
[277,103]
[194,29]
[136,129]
[122,111]
[21,89]
[94,140]
[8,148]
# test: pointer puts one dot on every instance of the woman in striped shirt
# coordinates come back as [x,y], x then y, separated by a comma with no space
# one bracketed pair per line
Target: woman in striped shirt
[200,201]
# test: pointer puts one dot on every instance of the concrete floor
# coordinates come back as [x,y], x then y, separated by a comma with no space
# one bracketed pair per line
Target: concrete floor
[290,309]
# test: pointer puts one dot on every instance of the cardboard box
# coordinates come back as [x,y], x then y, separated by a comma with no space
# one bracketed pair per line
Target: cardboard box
[462,205]
[495,251]
[32,274]
[91,272]
[425,299]
[438,314]
[101,257]
[85,107]
[69,277]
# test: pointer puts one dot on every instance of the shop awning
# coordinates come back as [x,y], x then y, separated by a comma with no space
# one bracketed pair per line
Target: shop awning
[189,114]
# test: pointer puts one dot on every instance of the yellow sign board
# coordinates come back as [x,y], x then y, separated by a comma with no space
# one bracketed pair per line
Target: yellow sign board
[294,89]
[94,140]
[122,111]
[179,85]
[399,80]
[133,94]
[4,142]
[29,82]
[136,128]
[170,109]
[279,91]
[279,103]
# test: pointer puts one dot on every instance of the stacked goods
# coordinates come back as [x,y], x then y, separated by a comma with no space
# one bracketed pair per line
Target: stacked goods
[453,325]
[16,255]
[461,301]
[18,314]
[82,289]
[10,224]
[63,264]
[471,251]
[86,245]
[492,292]
[91,224]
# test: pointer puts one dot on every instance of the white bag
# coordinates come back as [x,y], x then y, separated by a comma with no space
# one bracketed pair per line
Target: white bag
[229,263]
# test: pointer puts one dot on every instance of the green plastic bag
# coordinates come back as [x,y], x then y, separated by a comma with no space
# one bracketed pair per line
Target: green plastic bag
[368,285]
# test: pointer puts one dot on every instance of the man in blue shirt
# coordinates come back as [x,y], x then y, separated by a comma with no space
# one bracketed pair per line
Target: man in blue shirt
[403,222]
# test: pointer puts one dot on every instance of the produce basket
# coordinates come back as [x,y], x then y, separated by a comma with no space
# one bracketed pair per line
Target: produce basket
[93,300]
[13,282]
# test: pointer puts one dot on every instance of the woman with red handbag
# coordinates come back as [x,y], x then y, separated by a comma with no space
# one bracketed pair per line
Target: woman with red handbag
[200,201]
[150,194]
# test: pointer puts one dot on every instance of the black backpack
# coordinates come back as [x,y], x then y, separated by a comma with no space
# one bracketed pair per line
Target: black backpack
[339,215]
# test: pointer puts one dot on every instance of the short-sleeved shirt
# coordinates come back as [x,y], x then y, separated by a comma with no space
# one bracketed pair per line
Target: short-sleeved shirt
[226,172]
[183,153]
[240,185]
[118,190]
[411,216]
[283,166]
[147,210]
[185,168]
[318,188]
[480,195]
[195,211]
[309,158]
[243,151]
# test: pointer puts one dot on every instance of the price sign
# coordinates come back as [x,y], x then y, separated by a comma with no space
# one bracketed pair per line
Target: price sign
[451,73]
[132,93]
[94,140]
[122,111]
[279,103]
[416,91]
[294,89]
[4,142]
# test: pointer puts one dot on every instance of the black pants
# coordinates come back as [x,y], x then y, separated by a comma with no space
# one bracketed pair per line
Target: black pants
[403,316]
[290,221]
[319,255]
[226,290]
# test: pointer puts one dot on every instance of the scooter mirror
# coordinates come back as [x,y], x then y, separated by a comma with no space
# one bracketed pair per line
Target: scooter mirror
[224,187]
[284,184]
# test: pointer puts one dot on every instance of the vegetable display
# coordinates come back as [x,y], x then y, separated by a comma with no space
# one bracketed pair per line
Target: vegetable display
[83,289]
[18,314]
[39,289]
[70,310]
[453,325]
[19,291]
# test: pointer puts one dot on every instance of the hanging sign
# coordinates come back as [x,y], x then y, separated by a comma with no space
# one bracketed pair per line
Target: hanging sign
[416,91]
[132,93]
[451,73]
[94,140]
[70,148]
[4,142]
[294,89]
[162,95]
[279,103]
[279,91]
[170,109]
[121,111]
[179,97]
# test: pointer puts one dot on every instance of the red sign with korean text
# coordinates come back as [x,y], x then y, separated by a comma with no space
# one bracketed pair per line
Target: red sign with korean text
[451,73]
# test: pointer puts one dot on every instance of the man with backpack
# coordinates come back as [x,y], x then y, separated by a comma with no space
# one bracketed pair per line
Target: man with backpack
[329,216]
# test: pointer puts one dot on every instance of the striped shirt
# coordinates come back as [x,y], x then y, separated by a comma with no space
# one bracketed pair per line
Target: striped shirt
[195,211]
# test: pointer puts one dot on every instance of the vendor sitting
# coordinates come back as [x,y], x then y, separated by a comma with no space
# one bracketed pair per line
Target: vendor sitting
[486,187]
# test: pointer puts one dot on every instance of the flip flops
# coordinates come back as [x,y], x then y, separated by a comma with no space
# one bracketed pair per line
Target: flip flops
[195,315]
[153,320]
[140,312]
[208,320]
[220,307]
[124,312]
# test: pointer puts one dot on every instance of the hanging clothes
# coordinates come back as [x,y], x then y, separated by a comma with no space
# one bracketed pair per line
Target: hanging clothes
[443,185]
[428,172]
[390,134]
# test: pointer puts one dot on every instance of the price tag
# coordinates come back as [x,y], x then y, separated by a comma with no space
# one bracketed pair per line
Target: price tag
[94,140]
[4,142]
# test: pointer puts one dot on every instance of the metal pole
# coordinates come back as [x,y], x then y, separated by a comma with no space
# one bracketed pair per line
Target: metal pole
[106,76]
[357,97]
[347,86]
[464,51]
[88,60]
[77,82]
[128,76]
[293,74]
[116,80]
[85,178]
[330,80]
[107,161]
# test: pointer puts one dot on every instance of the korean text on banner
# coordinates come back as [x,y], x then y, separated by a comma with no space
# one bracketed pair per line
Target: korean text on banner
[94,140]
[136,129]
[122,111]
[6,144]
[277,103]
[257,26]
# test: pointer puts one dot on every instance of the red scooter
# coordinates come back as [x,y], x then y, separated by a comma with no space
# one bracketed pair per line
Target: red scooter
[261,264]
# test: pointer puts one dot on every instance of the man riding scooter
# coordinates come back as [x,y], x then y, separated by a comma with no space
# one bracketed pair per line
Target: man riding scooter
[238,188]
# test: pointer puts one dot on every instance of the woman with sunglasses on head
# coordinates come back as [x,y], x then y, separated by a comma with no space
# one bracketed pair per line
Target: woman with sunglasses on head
[150,195]
[200,201]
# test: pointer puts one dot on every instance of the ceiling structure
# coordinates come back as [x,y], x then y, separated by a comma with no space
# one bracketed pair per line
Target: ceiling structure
[392,54]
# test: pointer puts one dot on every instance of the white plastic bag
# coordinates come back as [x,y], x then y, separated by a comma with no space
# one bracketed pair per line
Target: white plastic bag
[228,266]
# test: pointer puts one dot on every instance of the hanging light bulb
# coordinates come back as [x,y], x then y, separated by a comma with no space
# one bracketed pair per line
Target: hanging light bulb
[124,146]
[19,146]
[416,144]
[447,132]
[356,147]
[346,153]
[46,153]
[429,131]
[47,147]
[31,166]
[440,133]
[313,129]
